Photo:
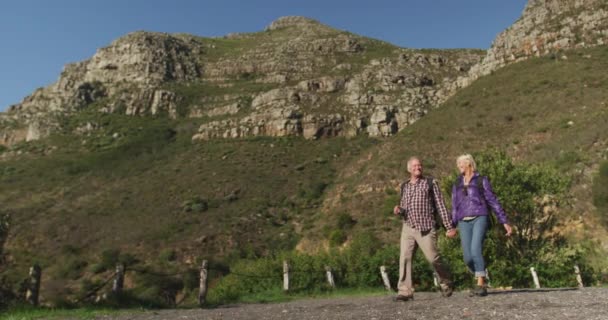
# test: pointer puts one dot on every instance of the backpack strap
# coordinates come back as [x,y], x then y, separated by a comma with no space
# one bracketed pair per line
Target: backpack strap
[480,188]
[429,181]
[438,224]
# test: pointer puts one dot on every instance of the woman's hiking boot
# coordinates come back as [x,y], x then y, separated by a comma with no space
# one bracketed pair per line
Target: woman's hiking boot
[479,291]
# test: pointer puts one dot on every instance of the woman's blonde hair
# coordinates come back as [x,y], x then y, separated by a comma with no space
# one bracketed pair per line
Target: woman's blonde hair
[469,159]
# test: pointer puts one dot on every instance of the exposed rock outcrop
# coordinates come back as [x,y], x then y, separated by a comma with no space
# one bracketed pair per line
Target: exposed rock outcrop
[547,26]
[298,77]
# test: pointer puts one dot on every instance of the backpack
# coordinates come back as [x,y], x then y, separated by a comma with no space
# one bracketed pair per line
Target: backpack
[481,190]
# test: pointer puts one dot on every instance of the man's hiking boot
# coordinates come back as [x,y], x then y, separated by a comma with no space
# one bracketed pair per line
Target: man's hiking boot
[403,298]
[479,291]
[447,290]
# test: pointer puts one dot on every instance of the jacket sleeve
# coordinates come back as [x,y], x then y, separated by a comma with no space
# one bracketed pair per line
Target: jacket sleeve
[440,205]
[493,201]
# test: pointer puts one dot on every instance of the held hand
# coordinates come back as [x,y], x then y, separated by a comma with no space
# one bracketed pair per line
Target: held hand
[397,210]
[508,229]
[451,233]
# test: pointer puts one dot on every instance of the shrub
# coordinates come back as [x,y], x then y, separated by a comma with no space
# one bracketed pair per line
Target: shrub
[531,196]
[110,258]
[167,255]
[196,204]
[357,266]
[345,221]
[71,268]
[156,289]
[337,237]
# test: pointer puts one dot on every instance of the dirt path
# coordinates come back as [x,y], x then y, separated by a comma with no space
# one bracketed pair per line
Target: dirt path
[587,304]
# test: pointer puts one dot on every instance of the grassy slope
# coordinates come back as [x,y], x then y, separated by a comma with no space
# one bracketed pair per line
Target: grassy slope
[524,109]
[129,194]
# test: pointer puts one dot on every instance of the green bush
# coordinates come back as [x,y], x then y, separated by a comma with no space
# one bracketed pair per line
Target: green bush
[71,268]
[357,266]
[337,237]
[167,255]
[196,204]
[529,194]
[156,289]
[345,221]
[110,258]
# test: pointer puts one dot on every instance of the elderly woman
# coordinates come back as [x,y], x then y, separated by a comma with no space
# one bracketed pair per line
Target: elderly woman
[472,199]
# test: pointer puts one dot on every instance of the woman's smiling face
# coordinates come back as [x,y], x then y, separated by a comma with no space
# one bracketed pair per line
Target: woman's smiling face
[462,166]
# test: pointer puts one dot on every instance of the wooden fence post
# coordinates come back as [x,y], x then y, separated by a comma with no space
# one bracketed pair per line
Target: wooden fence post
[330,277]
[33,288]
[119,278]
[579,280]
[535,278]
[285,276]
[202,289]
[387,283]
[435,279]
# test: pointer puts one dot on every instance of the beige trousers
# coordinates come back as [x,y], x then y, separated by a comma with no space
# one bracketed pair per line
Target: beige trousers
[427,240]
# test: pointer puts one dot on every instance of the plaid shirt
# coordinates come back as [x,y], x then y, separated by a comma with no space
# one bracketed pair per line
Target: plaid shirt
[417,204]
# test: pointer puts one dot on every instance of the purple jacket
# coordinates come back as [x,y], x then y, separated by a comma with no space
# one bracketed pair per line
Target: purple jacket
[469,202]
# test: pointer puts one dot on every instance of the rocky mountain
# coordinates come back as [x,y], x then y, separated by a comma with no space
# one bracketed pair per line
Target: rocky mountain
[130,152]
[298,77]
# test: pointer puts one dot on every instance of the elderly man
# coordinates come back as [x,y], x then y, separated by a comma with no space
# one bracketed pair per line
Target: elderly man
[420,198]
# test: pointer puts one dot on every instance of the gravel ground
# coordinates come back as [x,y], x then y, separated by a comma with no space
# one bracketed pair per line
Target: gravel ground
[554,304]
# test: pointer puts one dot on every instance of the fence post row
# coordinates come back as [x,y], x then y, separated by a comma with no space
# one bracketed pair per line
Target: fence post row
[387,283]
[202,290]
[285,276]
[33,288]
[35,273]
[119,279]
[330,277]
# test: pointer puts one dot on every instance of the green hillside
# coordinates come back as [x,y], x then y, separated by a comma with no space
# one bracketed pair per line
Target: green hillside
[151,190]
[140,186]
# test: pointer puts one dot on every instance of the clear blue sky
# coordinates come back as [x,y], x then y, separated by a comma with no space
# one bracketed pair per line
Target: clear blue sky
[39,37]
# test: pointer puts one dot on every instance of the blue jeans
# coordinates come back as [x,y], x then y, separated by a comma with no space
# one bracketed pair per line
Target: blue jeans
[472,234]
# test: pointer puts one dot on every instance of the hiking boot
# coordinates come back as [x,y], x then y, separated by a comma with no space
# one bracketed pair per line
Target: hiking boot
[404,298]
[479,291]
[447,290]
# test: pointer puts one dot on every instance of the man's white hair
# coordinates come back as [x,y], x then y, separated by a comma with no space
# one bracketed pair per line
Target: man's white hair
[409,162]
[468,159]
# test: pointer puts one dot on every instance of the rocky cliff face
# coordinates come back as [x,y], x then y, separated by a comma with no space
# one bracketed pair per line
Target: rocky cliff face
[298,77]
[546,27]
[123,76]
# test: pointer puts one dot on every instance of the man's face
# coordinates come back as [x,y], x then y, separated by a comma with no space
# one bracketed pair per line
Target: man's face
[415,168]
